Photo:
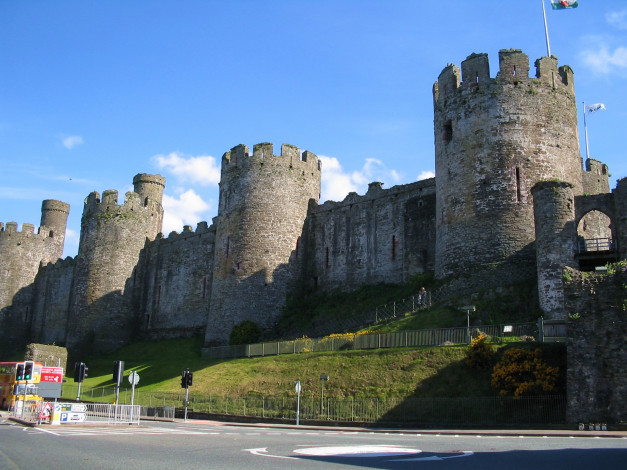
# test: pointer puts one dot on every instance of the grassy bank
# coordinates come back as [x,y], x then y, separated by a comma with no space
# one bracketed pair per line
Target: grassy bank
[382,373]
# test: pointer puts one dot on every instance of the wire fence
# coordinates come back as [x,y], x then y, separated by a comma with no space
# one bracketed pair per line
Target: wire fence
[342,342]
[353,321]
[436,411]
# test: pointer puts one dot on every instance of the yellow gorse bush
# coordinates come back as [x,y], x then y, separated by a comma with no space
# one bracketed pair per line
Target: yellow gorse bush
[523,372]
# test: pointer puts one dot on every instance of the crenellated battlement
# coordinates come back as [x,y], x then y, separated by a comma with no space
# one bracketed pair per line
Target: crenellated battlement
[61,263]
[94,204]
[291,156]
[28,231]
[202,228]
[513,70]
[376,192]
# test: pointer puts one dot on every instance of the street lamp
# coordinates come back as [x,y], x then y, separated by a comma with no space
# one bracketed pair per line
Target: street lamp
[323,379]
[468,309]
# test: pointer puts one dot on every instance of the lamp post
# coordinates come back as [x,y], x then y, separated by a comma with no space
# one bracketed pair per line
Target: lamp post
[468,309]
[323,379]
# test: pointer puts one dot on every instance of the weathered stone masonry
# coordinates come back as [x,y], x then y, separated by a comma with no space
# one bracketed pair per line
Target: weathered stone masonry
[510,199]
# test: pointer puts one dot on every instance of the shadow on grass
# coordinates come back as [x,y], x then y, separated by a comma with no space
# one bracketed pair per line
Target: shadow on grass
[458,396]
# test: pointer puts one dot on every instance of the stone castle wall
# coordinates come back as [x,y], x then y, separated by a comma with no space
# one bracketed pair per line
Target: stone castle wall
[176,276]
[103,309]
[21,254]
[382,236]
[597,328]
[51,301]
[494,139]
[264,199]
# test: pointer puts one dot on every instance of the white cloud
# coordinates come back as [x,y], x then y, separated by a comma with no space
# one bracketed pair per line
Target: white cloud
[187,209]
[71,141]
[617,19]
[426,175]
[202,170]
[601,57]
[337,183]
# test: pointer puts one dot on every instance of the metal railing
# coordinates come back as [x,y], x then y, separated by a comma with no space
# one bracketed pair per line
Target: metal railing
[595,244]
[413,338]
[467,411]
[68,413]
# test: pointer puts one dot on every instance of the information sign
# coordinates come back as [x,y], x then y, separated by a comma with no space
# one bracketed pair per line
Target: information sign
[50,382]
[52,374]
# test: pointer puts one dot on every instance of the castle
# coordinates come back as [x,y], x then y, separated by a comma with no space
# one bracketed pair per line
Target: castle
[510,200]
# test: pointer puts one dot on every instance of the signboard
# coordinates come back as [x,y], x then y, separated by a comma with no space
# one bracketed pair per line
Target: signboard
[70,417]
[50,382]
[52,374]
[133,378]
[69,413]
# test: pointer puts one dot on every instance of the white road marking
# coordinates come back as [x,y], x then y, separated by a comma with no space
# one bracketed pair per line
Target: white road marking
[263,452]
[358,451]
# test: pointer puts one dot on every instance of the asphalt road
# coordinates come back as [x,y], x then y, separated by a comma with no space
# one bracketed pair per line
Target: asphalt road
[212,445]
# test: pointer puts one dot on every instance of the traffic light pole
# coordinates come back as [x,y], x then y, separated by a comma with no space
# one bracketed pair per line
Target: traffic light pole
[186,401]
[24,398]
[78,394]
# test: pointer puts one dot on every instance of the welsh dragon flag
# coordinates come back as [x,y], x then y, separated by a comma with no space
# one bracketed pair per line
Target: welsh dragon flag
[563,4]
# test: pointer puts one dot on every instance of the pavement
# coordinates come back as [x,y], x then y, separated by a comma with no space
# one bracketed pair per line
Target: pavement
[553,432]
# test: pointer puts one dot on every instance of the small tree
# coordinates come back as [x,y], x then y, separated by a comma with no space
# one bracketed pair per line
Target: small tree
[479,354]
[524,372]
[245,332]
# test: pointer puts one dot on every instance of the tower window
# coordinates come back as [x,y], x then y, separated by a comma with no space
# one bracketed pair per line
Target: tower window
[448,131]
[518,189]
[328,265]
[393,247]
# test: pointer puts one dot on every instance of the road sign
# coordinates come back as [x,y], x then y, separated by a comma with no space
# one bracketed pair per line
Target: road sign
[52,374]
[133,378]
[50,382]
[46,411]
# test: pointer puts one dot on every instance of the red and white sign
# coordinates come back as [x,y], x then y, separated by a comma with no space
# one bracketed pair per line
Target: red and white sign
[52,374]
[46,411]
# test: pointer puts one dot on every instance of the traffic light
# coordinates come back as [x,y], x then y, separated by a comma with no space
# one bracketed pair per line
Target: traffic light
[118,372]
[80,371]
[184,378]
[28,370]
[19,371]
[190,378]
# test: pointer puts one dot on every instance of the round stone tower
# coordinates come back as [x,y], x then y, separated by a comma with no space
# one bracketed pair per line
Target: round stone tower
[102,315]
[21,254]
[494,139]
[262,209]
[54,220]
[556,238]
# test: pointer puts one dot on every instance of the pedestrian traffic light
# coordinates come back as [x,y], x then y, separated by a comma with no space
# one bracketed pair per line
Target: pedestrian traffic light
[80,371]
[190,378]
[28,370]
[118,372]
[19,371]
[184,378]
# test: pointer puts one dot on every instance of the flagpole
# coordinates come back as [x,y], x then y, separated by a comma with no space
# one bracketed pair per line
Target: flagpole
[585,130]
[546,31]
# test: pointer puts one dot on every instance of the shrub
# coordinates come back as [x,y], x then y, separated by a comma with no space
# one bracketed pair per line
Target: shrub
[524,372]
[479,354]
[245,332]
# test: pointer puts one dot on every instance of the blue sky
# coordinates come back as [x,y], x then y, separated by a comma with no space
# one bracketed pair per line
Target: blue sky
[93,93]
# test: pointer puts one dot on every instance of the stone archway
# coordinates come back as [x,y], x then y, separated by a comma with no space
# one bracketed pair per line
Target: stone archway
[596,228]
